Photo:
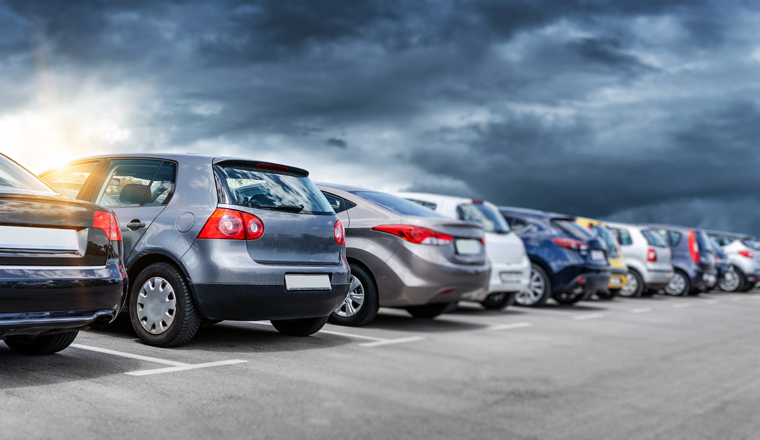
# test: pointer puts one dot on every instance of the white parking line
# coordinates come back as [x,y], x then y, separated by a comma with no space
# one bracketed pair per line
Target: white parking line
[713,301]
[641,310]
[349,335]
[681,306]
[376,341]
[184,367]
[588,316]
[392,341]
[510,326]
[175,366]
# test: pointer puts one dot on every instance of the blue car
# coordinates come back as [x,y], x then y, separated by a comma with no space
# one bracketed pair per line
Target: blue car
[692,257]
[568,263]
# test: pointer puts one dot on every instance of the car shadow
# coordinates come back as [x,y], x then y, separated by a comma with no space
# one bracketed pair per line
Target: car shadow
[401,323]
[577,307]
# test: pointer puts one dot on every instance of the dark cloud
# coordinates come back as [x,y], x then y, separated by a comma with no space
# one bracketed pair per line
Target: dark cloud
[622,109]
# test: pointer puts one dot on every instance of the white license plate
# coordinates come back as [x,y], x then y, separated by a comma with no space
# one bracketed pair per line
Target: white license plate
[467,247]
[15,237]
[615,281]
[510,277]
[307,282]
[597,255]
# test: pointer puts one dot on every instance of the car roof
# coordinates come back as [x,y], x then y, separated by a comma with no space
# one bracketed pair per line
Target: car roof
[434,197]
[683,229]
[346,188]
[730,234]
[546,215]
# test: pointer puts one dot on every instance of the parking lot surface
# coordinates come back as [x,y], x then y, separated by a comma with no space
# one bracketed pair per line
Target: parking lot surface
[649,368]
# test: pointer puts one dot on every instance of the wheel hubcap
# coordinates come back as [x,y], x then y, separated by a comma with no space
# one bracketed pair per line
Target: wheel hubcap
[354,299]
[731,282]
[535,290]
[156,305]
[630,288]
[677,285]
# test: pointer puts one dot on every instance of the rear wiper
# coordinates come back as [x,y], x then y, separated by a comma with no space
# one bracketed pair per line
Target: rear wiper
[291,208]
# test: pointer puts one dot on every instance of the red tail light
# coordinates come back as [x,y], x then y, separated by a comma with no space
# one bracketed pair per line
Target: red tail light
[271,166]
[108,223]
[693,246]
[232,225]
[339,233]
[748,254]
[569,243]
[416,234]
[651,255]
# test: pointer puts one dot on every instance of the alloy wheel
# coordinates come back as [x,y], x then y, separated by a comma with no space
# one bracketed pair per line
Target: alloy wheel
[677,285]
[534,292]
[630,288]
[730,282]
[156,305]
[353,301]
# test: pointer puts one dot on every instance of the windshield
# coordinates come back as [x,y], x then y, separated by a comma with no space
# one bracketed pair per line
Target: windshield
[608,239]
[253,188]
[14,178]
[397,204]
[484,215]
[573,229]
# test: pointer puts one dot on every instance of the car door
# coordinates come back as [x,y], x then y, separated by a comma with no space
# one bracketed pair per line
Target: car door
[137,190]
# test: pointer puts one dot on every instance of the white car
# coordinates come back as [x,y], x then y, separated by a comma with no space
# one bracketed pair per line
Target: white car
[510,272]
[743,255]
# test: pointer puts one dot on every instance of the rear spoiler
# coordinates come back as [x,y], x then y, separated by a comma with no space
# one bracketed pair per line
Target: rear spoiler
[267,167]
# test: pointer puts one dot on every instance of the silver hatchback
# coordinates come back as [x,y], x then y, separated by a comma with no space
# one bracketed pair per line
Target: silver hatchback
[647,256]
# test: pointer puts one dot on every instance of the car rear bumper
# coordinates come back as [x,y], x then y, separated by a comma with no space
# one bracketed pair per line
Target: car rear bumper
[37,300]
[618,278]
[500,278]
[585,279]
[256,302]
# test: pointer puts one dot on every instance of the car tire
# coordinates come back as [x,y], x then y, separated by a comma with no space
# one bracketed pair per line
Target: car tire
[164,284]
[539,289]
[567,298]
[635,286]
[427,311]
[300,327]
[41,344]
[735,283]
[612,293]
[498,300]
[362,291]
[679,285]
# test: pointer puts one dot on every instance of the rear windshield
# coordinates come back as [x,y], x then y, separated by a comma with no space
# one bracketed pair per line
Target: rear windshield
[14,178]
[654,238]
[252,188]
[397,204]
[608,239]
[703,241]
[573,229]
[750,244]
[490,219]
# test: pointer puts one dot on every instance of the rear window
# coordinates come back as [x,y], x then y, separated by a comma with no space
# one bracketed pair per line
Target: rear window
[654,238]
[14,178]
[623,236]
[750,244]
[608,239]
[254,188]
[573,229]
[490,219]
[703,241]
[398,205]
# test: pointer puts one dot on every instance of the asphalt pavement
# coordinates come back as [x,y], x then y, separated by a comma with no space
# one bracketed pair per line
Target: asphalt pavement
[649,368]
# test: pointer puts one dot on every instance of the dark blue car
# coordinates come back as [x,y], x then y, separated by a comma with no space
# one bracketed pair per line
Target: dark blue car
[568,262]
[692,257]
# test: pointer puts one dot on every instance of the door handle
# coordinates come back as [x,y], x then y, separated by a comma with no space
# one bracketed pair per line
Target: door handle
[135,225]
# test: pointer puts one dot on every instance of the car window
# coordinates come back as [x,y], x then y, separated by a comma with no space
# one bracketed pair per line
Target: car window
[487,217]
[573,229]
[253,187]
[338,204]
[15,178]
[623,236]
[517,224]
[162,185]
[674,238]
[428,205]
[608,238]
[127,182]
[654,237]
[70,180]
[702,241]
[397,204]
[750,243]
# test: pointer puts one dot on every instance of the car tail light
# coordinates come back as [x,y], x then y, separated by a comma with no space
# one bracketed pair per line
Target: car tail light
[581,280]
[271,166]
[108,223]
[748,254]
[569,243]
[339,233]
[693,246]
[416,234]
[232,225]
[651,255]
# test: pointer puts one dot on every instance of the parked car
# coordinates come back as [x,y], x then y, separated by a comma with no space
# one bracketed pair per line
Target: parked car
[619,278]
[743,256]
[510,266]
[567,262]
[692,258]
[727,276]
[216,238]
[403,255]
[61,266]
[647,257]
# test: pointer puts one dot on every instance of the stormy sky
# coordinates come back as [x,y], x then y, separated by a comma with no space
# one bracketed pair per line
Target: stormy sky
[626,110]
